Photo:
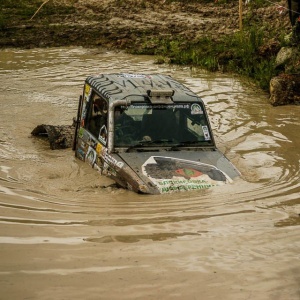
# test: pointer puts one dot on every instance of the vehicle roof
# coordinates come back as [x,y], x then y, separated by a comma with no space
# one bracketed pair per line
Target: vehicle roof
[134,87]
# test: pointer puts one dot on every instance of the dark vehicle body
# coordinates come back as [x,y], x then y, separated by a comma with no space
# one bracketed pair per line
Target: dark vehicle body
[149,133]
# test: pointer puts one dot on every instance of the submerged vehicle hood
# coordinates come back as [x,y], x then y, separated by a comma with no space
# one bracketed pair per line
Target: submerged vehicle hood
[181,170]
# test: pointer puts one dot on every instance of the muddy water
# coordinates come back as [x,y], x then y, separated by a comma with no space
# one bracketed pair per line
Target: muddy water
[67,234]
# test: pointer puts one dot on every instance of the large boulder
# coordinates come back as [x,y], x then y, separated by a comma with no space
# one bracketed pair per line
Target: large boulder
[285,89]
[283,57]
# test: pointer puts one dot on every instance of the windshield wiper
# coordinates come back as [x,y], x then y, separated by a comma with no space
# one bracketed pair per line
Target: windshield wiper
[187,143]
[147,143]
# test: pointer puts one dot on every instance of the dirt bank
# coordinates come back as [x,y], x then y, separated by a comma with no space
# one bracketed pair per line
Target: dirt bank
[131,24]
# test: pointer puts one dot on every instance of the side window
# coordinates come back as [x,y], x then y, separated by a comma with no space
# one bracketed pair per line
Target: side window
[195,128]
[96,121]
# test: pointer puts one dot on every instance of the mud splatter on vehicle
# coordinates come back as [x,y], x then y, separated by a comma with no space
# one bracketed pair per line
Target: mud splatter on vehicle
[150,133]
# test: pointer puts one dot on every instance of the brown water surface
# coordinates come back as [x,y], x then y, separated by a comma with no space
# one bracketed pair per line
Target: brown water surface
[67,234]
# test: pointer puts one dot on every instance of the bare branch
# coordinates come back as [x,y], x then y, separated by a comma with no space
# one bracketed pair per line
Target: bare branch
[39,9]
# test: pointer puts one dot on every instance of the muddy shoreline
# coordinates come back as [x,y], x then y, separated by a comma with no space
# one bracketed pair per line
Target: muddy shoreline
[133,25]
[150,27]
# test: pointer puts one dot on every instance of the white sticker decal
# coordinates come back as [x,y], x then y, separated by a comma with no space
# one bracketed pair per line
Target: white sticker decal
[91,156]
[170,174]
[196,109]
[206,133]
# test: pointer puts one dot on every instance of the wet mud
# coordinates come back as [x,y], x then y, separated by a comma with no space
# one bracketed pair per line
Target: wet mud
[133,25]
[68,233]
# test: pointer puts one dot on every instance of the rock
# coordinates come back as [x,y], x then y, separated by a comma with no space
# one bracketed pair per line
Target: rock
[284,55]
[285,89]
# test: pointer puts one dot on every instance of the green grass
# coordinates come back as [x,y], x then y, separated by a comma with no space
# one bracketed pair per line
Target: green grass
[252,3]
[238,53]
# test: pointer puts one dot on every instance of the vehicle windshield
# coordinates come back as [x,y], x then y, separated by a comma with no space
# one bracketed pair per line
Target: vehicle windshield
[147,125]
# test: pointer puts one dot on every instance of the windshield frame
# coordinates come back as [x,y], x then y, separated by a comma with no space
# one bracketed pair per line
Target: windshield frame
[181,135]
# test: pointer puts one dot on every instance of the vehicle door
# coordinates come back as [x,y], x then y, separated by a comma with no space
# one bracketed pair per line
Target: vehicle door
[93,132]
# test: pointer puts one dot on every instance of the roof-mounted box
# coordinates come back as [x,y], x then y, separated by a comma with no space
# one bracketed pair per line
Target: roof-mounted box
[160,96]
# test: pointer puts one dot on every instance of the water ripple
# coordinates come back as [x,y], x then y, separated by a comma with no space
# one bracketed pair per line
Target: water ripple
[51,201]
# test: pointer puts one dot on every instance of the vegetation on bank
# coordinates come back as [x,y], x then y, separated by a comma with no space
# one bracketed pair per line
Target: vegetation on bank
[242,53]
[250,52]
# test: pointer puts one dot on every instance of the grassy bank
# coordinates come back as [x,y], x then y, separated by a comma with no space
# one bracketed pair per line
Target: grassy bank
[245,53]
[250,52]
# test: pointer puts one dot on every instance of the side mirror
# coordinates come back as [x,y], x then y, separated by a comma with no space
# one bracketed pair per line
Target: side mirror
[76,122]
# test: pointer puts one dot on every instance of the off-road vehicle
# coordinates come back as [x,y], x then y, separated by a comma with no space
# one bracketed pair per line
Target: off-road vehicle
[149,133]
